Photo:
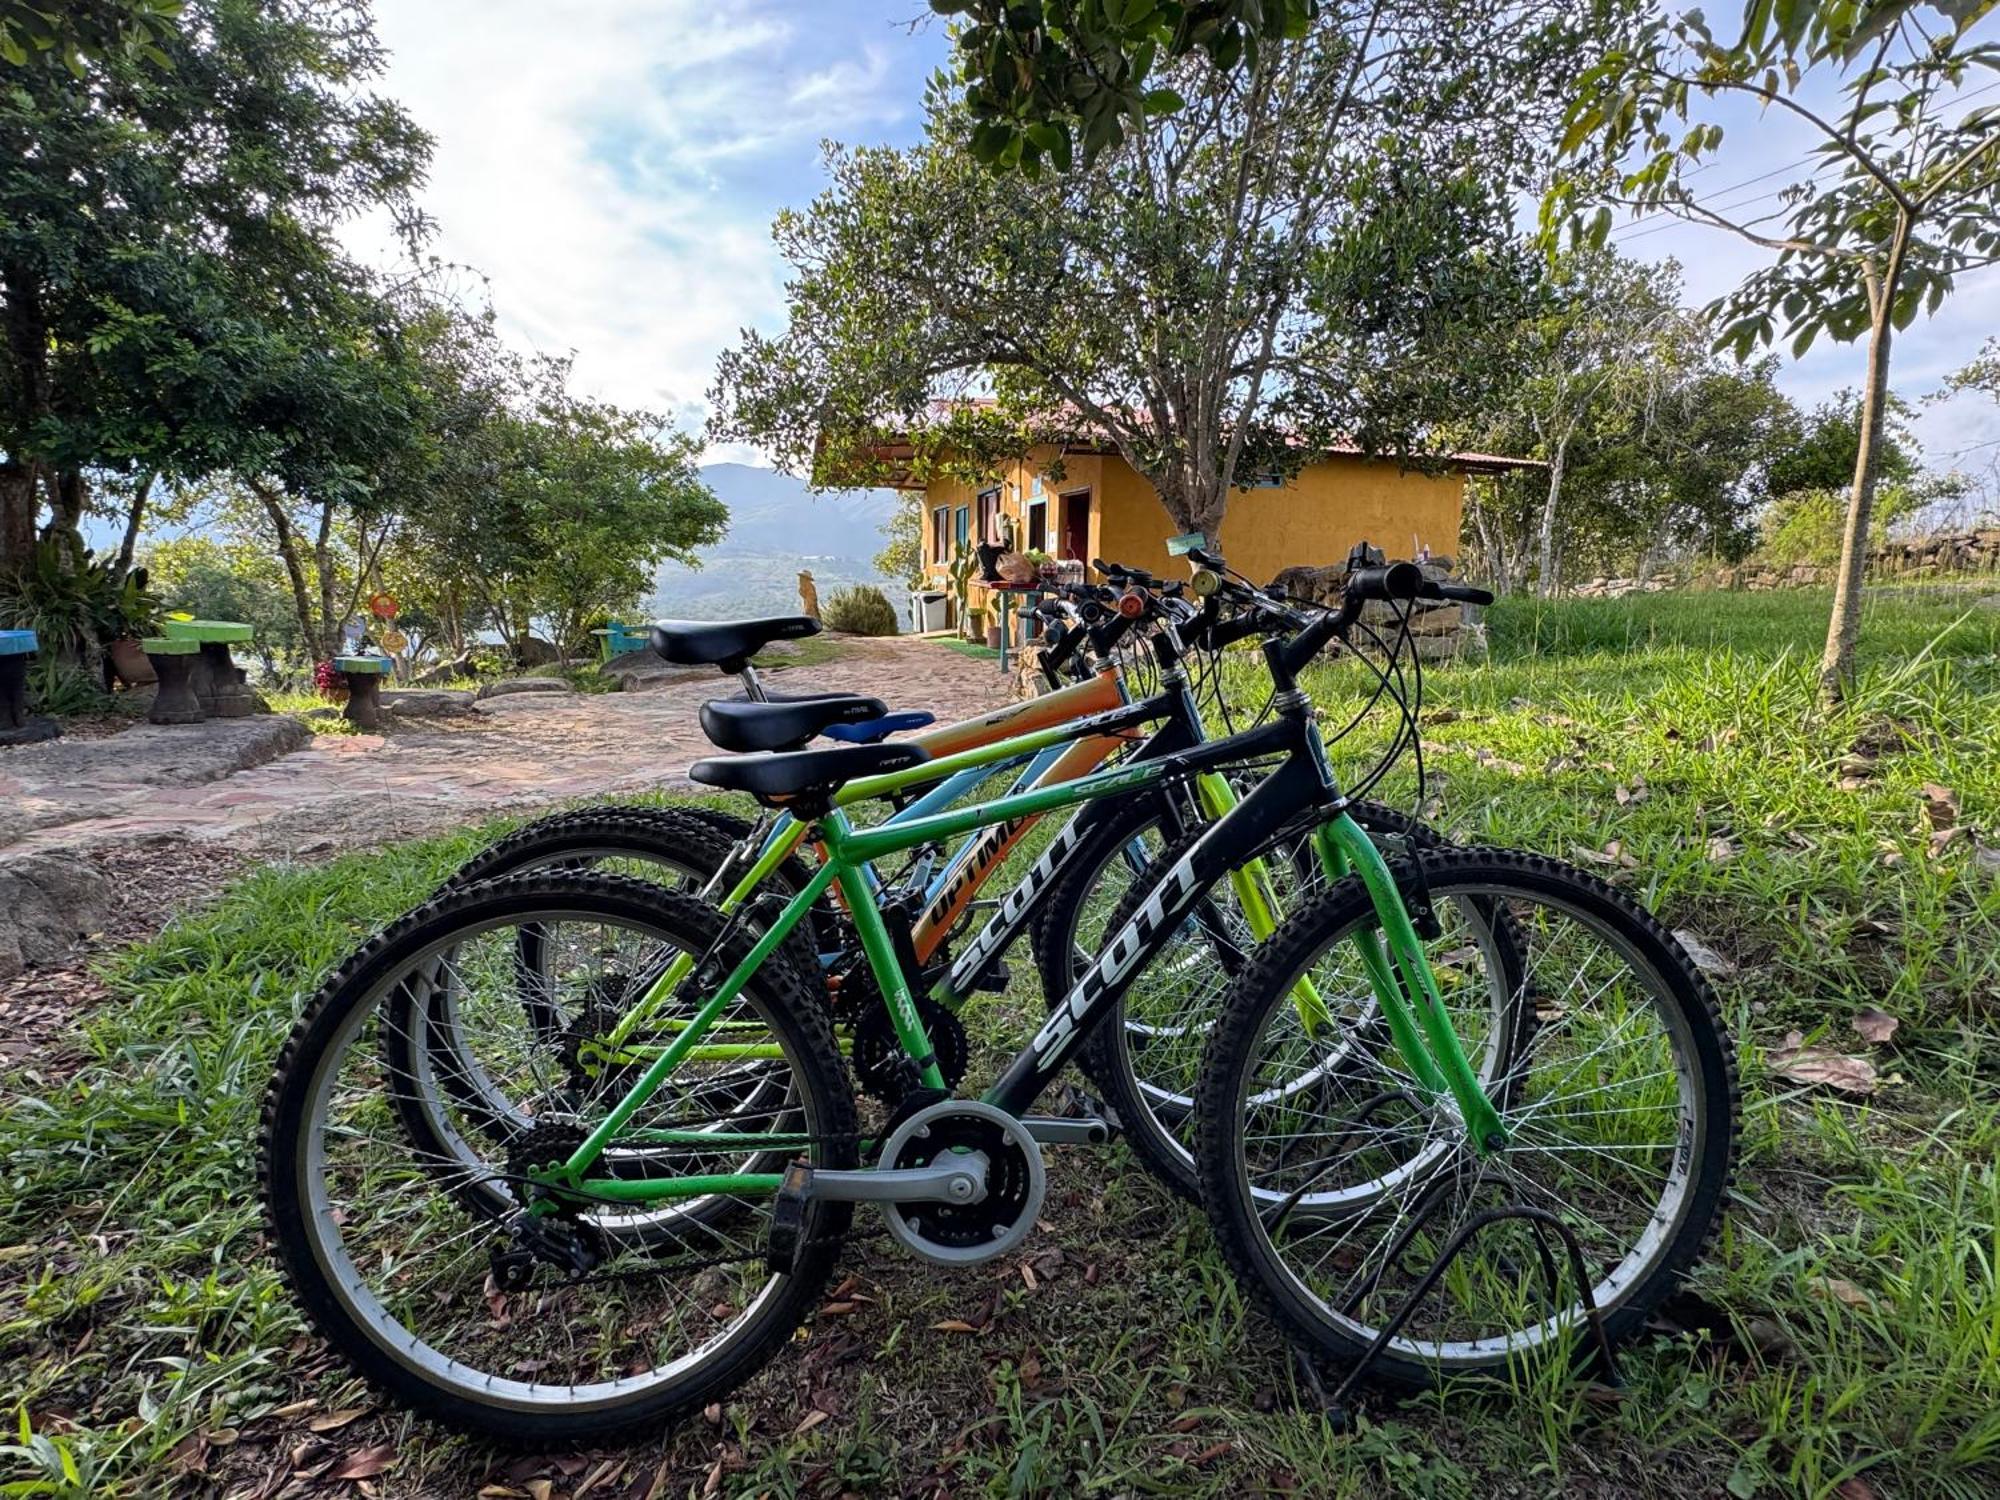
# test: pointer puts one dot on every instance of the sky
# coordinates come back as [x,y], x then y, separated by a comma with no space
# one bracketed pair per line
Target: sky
[613,167]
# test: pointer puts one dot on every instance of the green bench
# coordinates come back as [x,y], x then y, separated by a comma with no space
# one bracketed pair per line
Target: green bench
[221,686]
[364,676]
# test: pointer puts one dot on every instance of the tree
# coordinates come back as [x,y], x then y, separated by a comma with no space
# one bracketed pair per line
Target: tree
[1300,255]
[579,504]
[229,577]
[1904,199]
[171,285]
[902,554]
[1607,341]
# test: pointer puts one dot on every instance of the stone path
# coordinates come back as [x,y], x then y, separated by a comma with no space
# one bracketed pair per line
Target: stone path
[514,754]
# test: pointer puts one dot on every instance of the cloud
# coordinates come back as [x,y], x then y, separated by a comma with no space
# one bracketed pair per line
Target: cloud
[612,166]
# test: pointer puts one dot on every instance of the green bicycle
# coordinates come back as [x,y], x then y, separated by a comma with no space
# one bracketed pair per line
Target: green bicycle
[667,1221]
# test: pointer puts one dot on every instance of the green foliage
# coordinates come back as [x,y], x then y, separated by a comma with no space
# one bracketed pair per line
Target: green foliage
[902,554]
[1822,454]
[1042,77]
[235,578]
[74,32]
[574,505]
[860,610]
[75,604]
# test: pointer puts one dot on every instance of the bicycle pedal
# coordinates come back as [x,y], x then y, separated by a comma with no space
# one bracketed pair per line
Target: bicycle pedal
[788,1219]
[995,978]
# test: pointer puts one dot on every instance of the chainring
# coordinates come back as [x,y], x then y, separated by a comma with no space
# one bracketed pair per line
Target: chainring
[966,1233]
[881,1066]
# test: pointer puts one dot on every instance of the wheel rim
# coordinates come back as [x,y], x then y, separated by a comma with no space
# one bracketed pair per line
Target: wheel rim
[446,1327]
[1605,1107]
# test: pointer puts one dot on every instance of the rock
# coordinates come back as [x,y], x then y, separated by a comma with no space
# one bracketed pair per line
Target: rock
[161,754]
[47,903]
[445,672]
[38,729]
[407,703]
[536,652]
[509,686]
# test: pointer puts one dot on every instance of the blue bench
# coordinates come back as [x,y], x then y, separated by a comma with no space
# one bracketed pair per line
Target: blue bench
[618,639]
[16,646]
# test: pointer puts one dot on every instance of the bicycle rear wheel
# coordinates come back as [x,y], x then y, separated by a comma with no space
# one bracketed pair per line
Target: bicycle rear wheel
[1335,1180]
[629,1314]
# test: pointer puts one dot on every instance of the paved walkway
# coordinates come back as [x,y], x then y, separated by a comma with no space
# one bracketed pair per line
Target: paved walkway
[514,754]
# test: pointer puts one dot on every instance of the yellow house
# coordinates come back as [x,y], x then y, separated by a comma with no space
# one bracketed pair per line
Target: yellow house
[1102,508]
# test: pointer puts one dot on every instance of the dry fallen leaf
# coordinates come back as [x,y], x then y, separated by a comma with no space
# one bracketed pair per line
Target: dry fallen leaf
[1819,1065]
[1840,1290]
[953,1325]
[1940,805]
[365,1463]
[1944,838]
[809,1421]
[333,1421]
[1721,851]
[1705,958]
[1876,1026]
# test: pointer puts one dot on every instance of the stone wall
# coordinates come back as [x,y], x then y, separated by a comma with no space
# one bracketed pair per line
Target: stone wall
[1943,555]
[1439,628]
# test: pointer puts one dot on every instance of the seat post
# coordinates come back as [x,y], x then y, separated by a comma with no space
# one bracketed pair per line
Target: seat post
[753,688]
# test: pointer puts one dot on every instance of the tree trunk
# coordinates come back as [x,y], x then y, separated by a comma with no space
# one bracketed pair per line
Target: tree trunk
[288,554]
[1546,578]
[68,496]
[27,337]
[329,626]
[1843,631]
[19,505]
[135,517]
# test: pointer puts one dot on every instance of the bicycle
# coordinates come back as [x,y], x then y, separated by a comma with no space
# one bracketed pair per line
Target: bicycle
[740,1171]
[1063,903]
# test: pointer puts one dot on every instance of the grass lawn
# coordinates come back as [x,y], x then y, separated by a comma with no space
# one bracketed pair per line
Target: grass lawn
[1844,1339]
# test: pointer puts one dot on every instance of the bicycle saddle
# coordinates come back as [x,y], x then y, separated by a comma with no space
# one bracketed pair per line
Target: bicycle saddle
[813,774]
[739,724]
[728,644]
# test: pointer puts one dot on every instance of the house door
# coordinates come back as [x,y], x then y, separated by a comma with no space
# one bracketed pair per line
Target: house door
[1076,526]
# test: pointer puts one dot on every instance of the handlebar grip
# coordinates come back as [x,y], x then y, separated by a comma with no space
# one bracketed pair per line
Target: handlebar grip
[1396,580]
[1463,593]
[1062,651]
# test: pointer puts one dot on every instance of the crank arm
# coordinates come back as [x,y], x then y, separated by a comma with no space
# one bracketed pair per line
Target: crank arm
[961,1179]
[1056,1130]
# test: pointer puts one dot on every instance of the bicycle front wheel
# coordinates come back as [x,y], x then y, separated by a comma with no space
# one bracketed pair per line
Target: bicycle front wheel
[1336,1181]
[403,1228]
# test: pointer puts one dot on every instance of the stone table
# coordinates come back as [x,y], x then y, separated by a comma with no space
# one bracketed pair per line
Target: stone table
[174,661]
[17,725]
[364,688]
[221,685]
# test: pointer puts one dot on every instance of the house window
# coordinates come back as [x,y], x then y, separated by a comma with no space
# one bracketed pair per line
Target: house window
[940,533]
[989,516]
[963,524]
[1270,479]
[1038,524]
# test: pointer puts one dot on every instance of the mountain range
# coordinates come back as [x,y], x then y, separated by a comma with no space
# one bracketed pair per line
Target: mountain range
[777,526]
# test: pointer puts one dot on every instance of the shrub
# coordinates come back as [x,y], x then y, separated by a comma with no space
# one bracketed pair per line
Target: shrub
[860,610]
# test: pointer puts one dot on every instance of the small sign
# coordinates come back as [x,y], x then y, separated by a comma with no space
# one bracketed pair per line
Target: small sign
[1181,546]
[383,606]
[393,641]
